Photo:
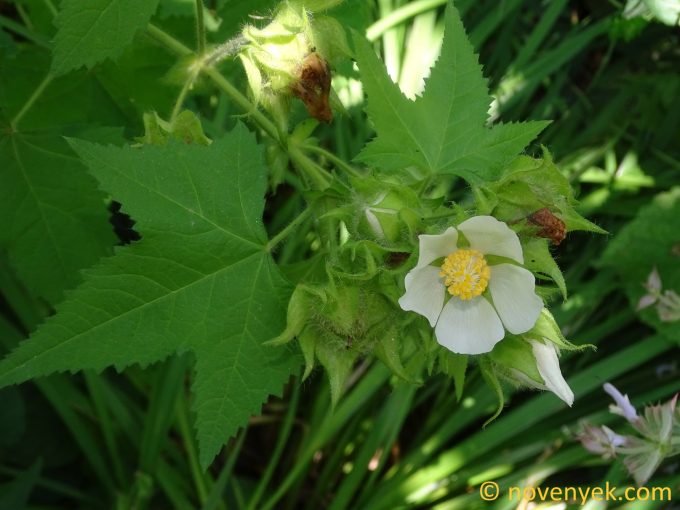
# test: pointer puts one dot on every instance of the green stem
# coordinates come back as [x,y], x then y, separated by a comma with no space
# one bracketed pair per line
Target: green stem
[215,499]
[181,98]
[330,425]
[245,104]
[319,177]
[281,443]
[31,100]
[167,40]
[188,440]
[57,487]
[24,17]
[339,163]
[94,386]
[24,32]
[242,101]
[200,28]
[400,15]
[274,241]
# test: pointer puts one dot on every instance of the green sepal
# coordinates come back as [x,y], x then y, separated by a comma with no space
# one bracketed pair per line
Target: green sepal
[455,366]
[277,162]
[186,128]
[515,353]
[329,38]
[387,350]
[338,364]
[316,5]
[385,211]
[303,130]
[485,199]
[297,315]
[307,341]
[537,259]
[487,370]
[529,184]
[546,328]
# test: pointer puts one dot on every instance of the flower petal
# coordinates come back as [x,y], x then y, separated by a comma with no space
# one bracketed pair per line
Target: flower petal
[512,290]
[433,247]
[623,404]
[549,367]
[469,327]
[424,293]
[488,235]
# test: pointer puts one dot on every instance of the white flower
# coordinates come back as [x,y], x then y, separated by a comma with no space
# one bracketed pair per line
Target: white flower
[472,321]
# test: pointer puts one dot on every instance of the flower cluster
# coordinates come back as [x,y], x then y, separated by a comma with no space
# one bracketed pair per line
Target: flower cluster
[658,435]
[667,301]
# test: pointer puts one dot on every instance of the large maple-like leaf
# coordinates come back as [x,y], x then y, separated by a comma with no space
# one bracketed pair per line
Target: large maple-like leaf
[444,131]
[200,280]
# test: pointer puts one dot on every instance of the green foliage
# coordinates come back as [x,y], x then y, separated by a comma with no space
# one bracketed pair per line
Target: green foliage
[651,240]
[56,218]
[528,185]
[345,234]
[54,210]
[444,131]
[89,32]
[200,281]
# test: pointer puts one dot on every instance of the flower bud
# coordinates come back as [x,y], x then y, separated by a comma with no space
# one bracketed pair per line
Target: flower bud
[290,57]
[386,212]
[533,363]
[185,128]
[338,324]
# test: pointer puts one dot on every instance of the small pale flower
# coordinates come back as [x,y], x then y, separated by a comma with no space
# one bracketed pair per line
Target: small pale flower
[623,406]
[602,440]
[667,302]
[467,292]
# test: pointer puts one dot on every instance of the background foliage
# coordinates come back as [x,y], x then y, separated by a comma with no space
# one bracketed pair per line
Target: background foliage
[609,83]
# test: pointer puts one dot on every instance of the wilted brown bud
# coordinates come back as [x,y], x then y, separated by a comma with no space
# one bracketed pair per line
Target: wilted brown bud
[552,227]
[313,86]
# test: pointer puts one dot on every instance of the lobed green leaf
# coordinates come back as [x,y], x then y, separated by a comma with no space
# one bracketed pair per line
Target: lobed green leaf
[444,131]
[200,280]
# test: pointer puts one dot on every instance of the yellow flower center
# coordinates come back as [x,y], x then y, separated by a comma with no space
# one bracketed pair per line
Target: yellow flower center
[466,273]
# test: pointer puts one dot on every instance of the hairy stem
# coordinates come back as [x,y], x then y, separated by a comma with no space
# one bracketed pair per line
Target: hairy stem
[338,162]
[317,175]
[274,241]
[182,97]
[200,28]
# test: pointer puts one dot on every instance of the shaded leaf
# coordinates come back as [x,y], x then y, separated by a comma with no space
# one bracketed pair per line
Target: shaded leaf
[90,31]
[200,280]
